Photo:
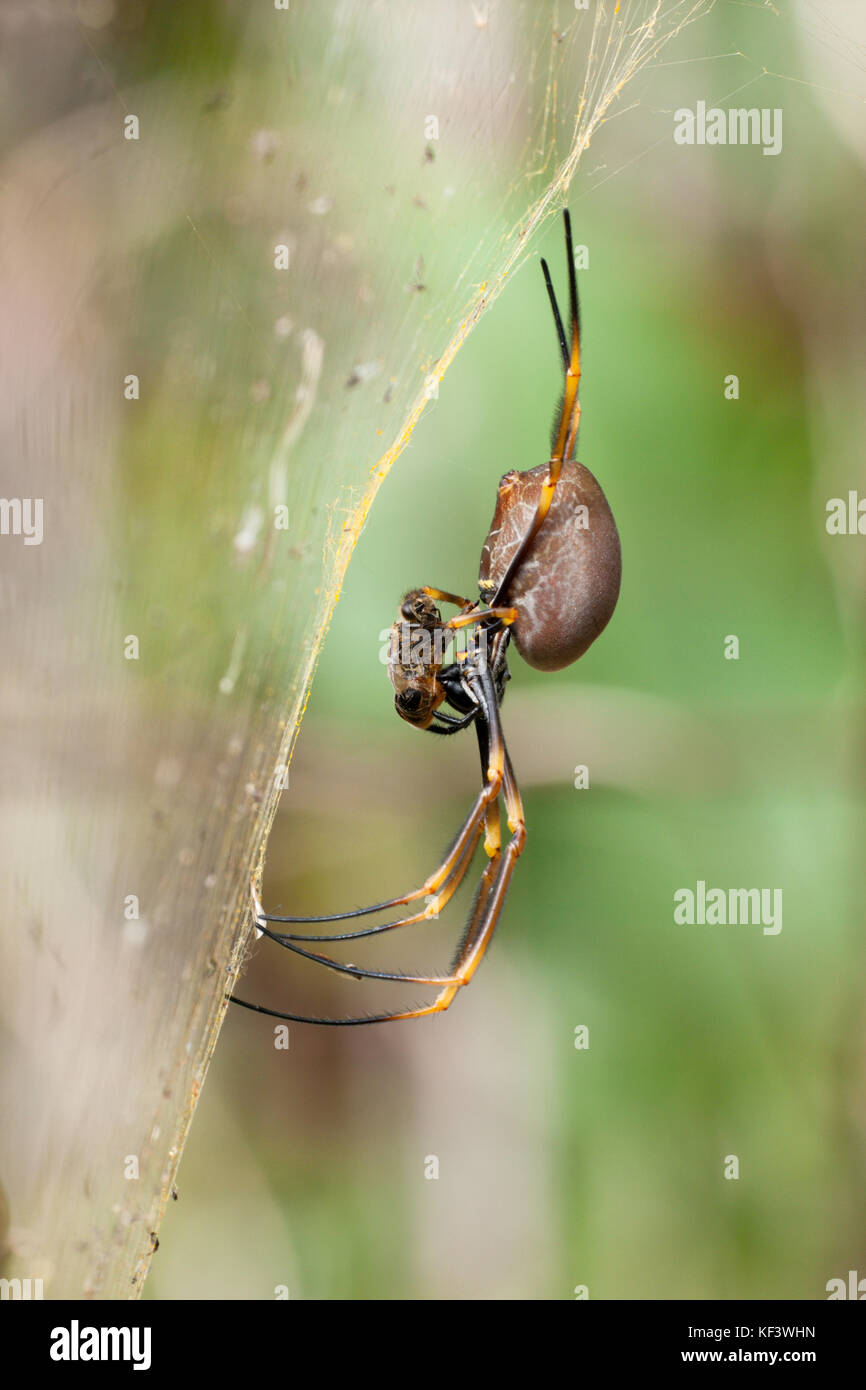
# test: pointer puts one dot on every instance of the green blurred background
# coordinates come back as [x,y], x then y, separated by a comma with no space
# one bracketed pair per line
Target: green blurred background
[559,1168]
[602,1167]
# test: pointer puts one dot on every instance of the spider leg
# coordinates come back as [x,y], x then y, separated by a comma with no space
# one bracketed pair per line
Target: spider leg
[437,888]
[505,615]
[442,596]
[569,416]
[484,816]
[497,876]
[489,907]
[492,845]
[451,725]
[560,331]
[494,883]
[356,971]
[434,907]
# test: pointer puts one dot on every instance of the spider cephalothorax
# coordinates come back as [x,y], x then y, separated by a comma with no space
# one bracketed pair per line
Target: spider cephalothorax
[549,578]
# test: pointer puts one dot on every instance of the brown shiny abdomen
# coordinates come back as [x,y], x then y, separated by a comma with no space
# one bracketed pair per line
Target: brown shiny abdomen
[568,582]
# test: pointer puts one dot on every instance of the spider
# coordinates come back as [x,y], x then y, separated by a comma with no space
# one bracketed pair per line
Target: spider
[549,580]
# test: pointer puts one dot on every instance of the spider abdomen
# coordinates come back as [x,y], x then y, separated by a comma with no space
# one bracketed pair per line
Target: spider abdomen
[567,584]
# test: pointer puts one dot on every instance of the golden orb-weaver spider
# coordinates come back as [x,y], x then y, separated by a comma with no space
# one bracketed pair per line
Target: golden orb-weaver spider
[549,580]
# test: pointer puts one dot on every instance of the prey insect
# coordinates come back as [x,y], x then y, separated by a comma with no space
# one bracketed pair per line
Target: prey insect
[549,581]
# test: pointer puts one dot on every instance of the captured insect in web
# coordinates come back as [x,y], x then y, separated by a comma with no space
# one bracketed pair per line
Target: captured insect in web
[549,580]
